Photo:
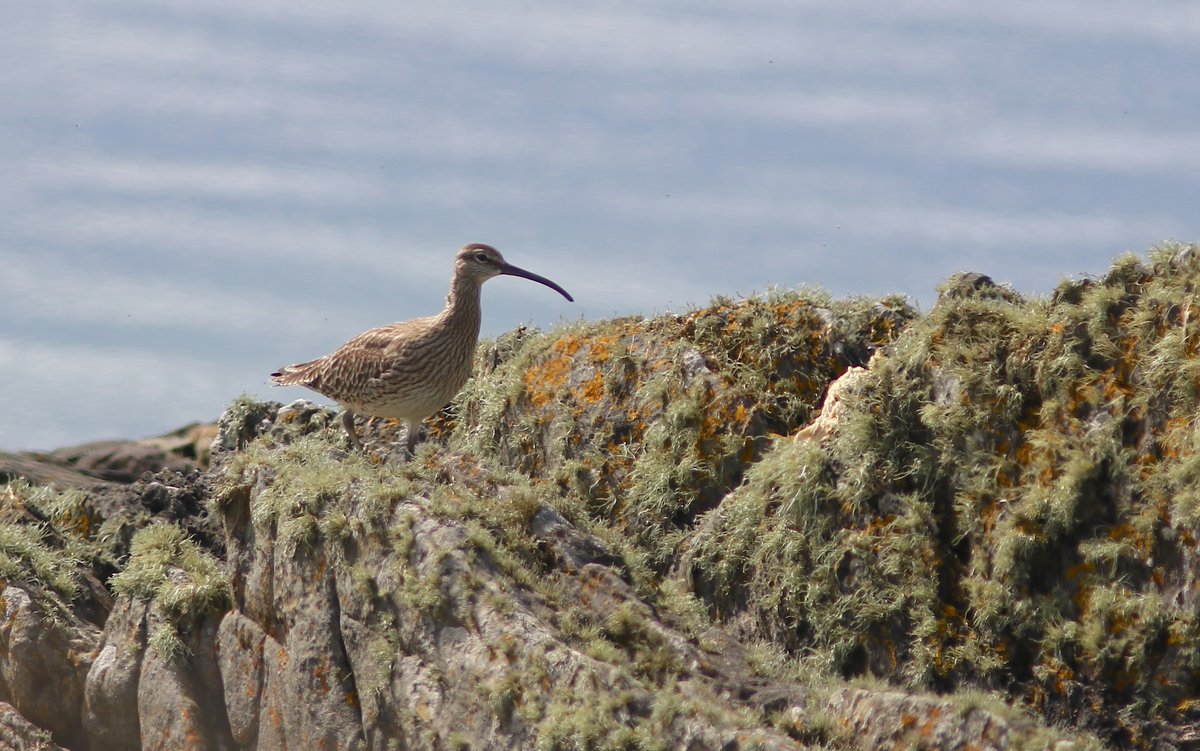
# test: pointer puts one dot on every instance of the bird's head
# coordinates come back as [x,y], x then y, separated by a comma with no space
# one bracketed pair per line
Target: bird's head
[482,262]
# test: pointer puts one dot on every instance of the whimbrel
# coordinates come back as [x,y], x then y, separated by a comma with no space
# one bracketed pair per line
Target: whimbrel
[411,369]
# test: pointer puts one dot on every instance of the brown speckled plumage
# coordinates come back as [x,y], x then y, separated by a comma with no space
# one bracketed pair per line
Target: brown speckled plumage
[411,369]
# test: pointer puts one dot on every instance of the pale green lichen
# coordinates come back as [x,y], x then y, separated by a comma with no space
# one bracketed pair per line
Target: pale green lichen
[1007,469]
[181,580]
[25,558]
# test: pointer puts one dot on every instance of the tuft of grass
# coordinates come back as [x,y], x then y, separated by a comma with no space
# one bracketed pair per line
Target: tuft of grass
[183,582]
[311,491]
[24,557]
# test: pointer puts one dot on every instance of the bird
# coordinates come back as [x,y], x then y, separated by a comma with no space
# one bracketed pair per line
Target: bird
[409,370]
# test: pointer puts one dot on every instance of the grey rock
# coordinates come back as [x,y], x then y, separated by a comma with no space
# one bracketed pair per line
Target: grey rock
[44,661]
[179,701]
[110,710]
[19,734]
[120,461]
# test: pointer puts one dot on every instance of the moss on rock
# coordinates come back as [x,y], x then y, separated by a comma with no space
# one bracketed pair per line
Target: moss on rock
[1006,503]
[631,534]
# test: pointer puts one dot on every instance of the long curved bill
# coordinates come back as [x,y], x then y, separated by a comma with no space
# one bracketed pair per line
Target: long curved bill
[511,270]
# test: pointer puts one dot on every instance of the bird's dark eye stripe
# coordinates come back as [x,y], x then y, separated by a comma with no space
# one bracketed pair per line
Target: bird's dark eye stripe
[482,257]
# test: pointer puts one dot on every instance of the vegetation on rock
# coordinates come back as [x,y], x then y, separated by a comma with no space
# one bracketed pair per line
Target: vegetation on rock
[1008,504]
[619,537]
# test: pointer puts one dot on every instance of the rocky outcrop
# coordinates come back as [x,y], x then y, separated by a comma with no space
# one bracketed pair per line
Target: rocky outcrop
[92,465]
[409,628]
[778,523]
[1005,502]
[44,659]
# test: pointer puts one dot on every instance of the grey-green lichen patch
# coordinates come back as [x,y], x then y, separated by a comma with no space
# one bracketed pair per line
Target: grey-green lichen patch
[181,580]
[24,557]
[309,488]
[1007,502]
[45,541]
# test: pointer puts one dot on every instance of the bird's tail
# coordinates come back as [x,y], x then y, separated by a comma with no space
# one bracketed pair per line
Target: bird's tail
[299,374]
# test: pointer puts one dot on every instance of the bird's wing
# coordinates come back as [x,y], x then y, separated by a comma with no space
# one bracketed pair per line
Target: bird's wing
[386,352]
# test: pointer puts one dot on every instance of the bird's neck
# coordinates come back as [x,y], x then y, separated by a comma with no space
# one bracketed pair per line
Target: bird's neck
[462,304]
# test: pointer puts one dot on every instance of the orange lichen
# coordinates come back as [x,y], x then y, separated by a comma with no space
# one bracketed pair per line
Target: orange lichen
[593,390]
[544,379]
[600,348]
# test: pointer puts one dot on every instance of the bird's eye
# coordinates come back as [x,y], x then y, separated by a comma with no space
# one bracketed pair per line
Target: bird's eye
[481,257]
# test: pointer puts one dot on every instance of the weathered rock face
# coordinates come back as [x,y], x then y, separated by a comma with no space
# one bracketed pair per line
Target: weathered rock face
[19,734]
[43,664]
[70,661]
[633,534]
[363,618]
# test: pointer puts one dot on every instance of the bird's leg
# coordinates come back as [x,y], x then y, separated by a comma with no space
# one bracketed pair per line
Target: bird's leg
[348,422]
[412,431]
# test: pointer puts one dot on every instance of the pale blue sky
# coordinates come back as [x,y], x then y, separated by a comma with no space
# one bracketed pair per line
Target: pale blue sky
[200,191]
